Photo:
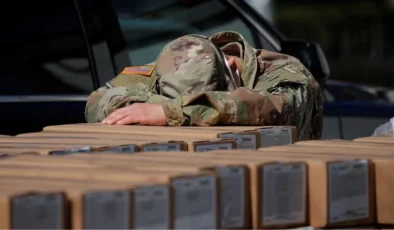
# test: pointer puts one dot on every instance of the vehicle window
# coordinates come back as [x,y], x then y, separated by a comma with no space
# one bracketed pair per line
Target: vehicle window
[148,25]
[43,50]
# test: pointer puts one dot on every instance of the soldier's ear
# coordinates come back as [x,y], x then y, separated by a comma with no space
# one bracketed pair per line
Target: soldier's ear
[231,62]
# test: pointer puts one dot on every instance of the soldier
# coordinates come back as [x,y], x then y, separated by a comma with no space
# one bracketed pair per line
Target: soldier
[217,80]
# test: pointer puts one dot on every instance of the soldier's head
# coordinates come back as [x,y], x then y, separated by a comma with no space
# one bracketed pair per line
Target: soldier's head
[193,64]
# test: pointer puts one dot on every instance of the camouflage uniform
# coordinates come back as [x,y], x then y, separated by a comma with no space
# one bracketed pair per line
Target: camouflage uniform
[195,87]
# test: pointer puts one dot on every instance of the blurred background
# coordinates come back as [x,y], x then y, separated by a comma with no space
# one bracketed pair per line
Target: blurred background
[357,36]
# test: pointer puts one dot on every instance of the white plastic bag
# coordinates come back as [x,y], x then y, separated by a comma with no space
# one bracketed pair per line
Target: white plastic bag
[385,129]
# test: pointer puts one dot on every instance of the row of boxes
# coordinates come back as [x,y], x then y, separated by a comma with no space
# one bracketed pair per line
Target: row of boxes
[64,139]
[319,184]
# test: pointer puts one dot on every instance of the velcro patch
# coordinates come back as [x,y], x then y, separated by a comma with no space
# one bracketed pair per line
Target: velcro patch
[143,70]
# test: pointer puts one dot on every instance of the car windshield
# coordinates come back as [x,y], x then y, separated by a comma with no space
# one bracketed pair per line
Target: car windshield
[148,25]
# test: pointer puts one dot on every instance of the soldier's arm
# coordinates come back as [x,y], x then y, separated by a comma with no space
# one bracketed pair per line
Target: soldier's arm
[281,97]
[108,98]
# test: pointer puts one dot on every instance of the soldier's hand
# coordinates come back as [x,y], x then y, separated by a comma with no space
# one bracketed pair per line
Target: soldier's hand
[138,113]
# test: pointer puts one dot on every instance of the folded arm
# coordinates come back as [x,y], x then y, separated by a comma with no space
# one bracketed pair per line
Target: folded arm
[240,107]
[107,99]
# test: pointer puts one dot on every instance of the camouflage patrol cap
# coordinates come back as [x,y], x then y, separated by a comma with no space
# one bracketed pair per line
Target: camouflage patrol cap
[189,65]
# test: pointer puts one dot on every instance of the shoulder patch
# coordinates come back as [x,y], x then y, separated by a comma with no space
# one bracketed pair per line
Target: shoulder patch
[142,70]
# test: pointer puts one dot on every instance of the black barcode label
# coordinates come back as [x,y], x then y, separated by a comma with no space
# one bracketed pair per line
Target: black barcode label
[38,212]
[284,194]
[348,190]
[107,210]
[195,203]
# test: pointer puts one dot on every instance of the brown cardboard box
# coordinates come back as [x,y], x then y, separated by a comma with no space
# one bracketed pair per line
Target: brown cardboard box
[195,132]
[46,150]
[138,143]
[381,158]
[90,203]
[244,139]
[333,148]
[106,159]
[319,181]
[383,166]
[88,127]
[69,143]
[378,139]
[235,187]
[119,163]
[18,204]
[345,143]
[299,216]
[277,135]
[65,140]
[259,202]
[191,145]
[203,184]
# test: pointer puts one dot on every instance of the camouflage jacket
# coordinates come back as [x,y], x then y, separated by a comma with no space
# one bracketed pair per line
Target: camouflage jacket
[277,90]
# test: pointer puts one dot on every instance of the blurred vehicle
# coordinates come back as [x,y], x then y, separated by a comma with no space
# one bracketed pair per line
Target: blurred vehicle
[53,59]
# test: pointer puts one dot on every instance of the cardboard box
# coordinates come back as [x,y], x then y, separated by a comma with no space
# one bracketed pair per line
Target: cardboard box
[195,132]
[137,143]
[204,185]
[378,139]
[345,143]
[18,204]
[278,135]
[383,166]
[259,194]
[322,209]
[65,140]
[45,150]
[235,186]
[141,206]
[297,218]
[119,163]
[88,127]
[190,145]
[244,139]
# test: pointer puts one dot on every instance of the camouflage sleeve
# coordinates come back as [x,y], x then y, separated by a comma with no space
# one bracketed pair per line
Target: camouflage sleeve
[107,99]
[281,97]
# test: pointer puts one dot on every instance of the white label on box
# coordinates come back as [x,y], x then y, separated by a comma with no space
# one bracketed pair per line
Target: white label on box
[284,194]
[195,203]
[122,149]
[213,146]
[275,136]
[39,211]
[107,210]
[244,141]
[348,191]
[232,196]
[162,147]
[151,207]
